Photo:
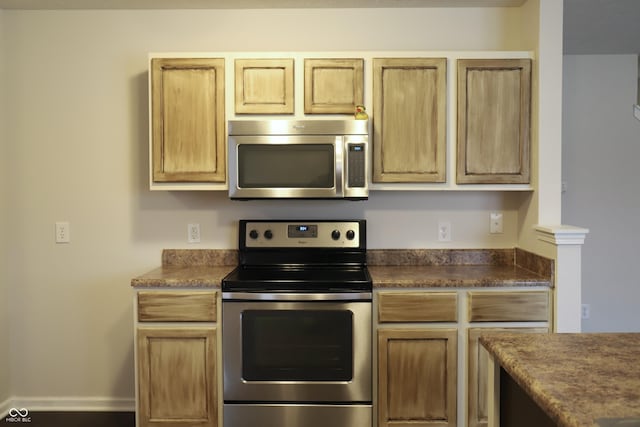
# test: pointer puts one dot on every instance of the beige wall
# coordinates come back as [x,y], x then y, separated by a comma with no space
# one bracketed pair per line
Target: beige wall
[4,215]
[544,17]
[78,127]
[4,290]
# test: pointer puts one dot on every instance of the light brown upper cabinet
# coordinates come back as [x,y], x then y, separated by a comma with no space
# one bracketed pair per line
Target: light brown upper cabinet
[264,86]
[188,120]
[409,127]
[333,86]
[494,108]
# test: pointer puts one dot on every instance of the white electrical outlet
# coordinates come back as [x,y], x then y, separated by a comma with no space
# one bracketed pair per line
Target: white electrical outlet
[193,233]
[586,311]
[63,232]
[444,231]
[495,224]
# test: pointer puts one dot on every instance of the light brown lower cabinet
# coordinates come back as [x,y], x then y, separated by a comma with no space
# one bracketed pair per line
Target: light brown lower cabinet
[177,376]
[417,374]
[478,403]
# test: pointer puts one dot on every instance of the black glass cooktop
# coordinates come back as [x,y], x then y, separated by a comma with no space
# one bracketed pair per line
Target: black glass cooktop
[301,279]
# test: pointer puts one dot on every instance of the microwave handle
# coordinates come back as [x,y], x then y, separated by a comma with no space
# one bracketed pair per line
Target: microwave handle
[341,157]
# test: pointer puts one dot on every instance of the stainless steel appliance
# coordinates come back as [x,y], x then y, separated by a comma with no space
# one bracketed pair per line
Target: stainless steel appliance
[296,336]
[320,159]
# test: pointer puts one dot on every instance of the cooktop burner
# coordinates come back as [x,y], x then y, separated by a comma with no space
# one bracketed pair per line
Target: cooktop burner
[308,279]
[301,256]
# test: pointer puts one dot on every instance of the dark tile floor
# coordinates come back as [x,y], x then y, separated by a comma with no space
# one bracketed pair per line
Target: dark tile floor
[74,419]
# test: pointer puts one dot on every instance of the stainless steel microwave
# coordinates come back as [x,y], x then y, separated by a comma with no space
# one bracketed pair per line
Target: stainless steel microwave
[301,159]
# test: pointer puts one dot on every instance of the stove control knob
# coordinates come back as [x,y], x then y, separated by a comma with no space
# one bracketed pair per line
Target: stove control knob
[268,234]
[335,234]
[351,235]
[253,234]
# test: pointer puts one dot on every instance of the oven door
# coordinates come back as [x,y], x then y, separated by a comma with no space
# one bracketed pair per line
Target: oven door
[296,351]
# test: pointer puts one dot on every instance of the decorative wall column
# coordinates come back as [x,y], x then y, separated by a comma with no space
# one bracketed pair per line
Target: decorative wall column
[567,301]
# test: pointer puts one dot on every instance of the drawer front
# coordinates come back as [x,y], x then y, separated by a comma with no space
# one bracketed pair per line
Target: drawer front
[417,307]
[179,306]
[525,306]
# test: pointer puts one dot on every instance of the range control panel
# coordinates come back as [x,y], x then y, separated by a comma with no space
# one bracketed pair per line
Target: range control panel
[292,234]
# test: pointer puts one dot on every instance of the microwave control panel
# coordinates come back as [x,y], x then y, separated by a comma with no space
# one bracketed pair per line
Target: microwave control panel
[356,165]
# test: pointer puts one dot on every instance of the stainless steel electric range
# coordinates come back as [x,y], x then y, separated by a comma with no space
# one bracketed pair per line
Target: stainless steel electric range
[296,326]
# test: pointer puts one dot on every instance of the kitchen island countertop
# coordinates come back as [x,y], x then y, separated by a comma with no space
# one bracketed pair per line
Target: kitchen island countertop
[578,380]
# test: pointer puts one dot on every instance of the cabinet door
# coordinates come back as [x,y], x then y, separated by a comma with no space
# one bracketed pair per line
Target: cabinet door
[409,98]
[264,86]
[177,306]
[417,371]
[494,97]
[177,376]
[333,86]
[417,307]
[509,306]
[478,403]
[188,120]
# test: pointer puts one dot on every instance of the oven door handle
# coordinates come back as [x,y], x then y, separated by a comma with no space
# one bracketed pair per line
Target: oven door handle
[300,296]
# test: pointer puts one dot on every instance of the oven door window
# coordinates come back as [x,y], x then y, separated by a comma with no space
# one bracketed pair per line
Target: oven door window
[286,166]
[297,345]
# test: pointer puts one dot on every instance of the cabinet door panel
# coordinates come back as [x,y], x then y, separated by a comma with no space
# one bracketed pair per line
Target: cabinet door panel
[188,120]
[264,86]
[417,371]
[520,306]
[494,98]
[478,403]
[333,86]
[409,96]
[177,376]
[417,306]
[181,306]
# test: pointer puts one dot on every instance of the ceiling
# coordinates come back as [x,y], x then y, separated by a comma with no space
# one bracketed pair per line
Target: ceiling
[243,4]
[590,26]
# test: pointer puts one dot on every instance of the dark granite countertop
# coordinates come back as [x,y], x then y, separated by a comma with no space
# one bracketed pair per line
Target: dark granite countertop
[426,268]
[183,268]
[454,276]
[180,276]
[389,268]
[578,380]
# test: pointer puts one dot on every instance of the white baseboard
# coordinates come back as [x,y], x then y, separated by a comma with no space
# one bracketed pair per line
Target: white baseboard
[4,408]
[71,404]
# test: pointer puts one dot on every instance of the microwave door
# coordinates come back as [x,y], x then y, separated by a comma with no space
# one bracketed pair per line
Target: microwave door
[285,167]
